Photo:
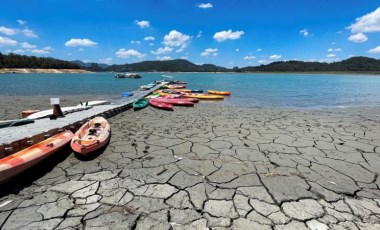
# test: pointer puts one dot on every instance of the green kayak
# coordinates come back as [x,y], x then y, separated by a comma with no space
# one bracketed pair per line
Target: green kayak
[140,104]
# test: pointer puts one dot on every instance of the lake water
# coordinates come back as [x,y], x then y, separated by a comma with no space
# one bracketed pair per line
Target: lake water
[254,90]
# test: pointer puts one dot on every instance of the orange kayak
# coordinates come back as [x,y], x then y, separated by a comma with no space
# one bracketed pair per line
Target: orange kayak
[225,93]
[93,135]
[14,164]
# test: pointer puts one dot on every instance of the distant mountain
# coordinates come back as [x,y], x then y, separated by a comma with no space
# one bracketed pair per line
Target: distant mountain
[89,64]
[354,64]
[178,65]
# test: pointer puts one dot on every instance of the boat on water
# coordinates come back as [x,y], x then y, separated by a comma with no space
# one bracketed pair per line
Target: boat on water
[224,93]
[18,162]
[127,75]
[140,104]
[93,135]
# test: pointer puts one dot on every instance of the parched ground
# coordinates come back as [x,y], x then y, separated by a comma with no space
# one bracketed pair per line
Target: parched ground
[212,167]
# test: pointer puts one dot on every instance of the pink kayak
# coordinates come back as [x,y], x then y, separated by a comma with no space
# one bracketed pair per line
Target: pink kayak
[174,101]
[194,100]
[161,105]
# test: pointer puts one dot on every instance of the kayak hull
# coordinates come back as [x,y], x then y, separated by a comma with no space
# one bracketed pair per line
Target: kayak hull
[92,136]
[224,93]
[18,162]
[140,104]
[161,105]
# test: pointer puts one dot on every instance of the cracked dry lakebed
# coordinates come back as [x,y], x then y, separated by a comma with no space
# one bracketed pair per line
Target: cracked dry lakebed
[211,167]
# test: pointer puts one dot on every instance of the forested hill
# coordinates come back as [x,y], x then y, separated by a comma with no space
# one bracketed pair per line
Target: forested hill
[178,65]
[354,64]
[21,61]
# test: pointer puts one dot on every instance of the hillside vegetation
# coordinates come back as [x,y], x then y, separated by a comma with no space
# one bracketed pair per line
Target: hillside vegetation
[354,64]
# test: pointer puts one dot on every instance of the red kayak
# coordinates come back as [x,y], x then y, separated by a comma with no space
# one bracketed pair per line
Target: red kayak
[174,101]
[161,105]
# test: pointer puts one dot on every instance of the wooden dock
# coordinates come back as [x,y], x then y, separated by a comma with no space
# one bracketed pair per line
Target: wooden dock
[14,139]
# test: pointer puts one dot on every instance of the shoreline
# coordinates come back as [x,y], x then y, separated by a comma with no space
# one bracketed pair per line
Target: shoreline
[29,70]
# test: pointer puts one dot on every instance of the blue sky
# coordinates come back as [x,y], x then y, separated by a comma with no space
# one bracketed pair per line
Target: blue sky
[223,32]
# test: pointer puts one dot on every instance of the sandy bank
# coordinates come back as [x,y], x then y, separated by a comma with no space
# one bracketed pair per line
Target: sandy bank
[24,70]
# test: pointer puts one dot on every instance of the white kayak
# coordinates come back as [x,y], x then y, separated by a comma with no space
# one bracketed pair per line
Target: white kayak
[65,110]
[94,103]
[16,122]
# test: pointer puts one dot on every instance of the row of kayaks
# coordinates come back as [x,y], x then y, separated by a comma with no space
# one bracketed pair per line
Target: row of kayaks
[90,137]
[176,94]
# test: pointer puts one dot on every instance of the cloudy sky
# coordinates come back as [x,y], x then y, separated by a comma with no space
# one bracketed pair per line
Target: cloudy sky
[222,32]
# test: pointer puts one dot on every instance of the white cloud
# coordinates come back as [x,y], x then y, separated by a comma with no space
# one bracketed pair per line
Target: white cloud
[149,38]
[80,49]
[237,50]
[21,22]
[26,45]
[199,35]
[18,51]
[4,41]
[151,44]
[359,37]
[367,23]
[263,61]
[176,39]
[105,60]
[304,32]
[185,57]
[136,42]
[205,5]
[161,50]
[275,57]
[374,50]
[209,51]
[165,58]
[8,31]
[40,51]
[47,48]
[29,33]
[331,55]
[224,35]
[258,49]
[80,42]
[123,53]
[143,24]
[336,49]
[249,57]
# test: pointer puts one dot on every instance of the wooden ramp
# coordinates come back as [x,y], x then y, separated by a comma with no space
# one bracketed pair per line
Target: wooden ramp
[14,139]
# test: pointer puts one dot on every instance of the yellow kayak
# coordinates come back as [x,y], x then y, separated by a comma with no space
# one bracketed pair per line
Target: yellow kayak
[225,93]
[203,96]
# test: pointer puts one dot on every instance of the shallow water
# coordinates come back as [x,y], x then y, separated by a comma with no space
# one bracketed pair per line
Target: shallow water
[254,90]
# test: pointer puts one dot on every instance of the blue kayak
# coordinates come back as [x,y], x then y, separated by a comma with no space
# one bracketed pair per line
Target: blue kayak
[126,94]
